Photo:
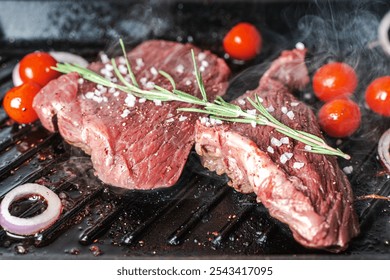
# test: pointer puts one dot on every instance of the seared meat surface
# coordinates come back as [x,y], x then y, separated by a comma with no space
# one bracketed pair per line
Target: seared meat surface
[133,143]
[306,191]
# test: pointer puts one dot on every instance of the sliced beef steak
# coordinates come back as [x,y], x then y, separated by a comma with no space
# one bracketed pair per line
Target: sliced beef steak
[133,143]
[306,191]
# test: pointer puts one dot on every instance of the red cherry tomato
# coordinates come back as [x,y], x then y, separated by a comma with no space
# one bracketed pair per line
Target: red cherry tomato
[334,80]
[378,96]
[243,41]
[339,117]
[36,67]
[18,101]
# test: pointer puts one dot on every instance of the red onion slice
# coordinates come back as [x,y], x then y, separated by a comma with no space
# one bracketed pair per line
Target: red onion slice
[383,149]
[16,76]
[30,226]
[59,56]
[383,35]
[69,58]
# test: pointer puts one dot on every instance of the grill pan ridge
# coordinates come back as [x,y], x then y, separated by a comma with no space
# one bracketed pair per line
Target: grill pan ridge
[201,216]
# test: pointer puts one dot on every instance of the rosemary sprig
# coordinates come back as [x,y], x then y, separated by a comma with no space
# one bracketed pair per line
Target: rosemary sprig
[218,109]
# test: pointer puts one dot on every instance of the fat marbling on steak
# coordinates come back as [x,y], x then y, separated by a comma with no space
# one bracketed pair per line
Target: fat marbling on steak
[306,191]
[133,143]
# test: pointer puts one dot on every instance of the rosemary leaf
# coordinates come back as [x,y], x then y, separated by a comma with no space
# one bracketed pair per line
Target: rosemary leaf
[169,78]
[132,77]
[193,110]
[198,77]
[188,98]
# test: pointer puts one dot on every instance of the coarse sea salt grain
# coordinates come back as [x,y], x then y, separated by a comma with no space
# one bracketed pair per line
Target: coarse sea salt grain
[97,99]
[284,140]
[275,142]
[157,102]
[130,100]
[298,165]
[251,112]
[284,110]
[294,104]
[170,120]
[204,120]
[180,69]
[270,109]
[253,123]
[285,157]
[139,62]
[154,71]
[143,80]
[80,81]
[149,85]
[109,67]
[204,63]
[142,100]
[122,60]
[125,113]
[241,101]
[182,118]
[89,95]
[104,58]
[300,46]
[308,148]
[188,82]
[201,56]
[116,94]
[214,121]
[348,169]
[122,69]
[270,150]
[290,115]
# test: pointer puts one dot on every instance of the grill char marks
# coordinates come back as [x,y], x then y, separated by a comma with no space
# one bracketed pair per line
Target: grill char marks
[307,191]
[133,144]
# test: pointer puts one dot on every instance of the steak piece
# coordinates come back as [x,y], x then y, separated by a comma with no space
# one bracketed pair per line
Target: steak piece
[306,191]
[133,143]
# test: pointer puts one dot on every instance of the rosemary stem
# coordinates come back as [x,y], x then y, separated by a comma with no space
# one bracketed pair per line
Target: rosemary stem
[218,109]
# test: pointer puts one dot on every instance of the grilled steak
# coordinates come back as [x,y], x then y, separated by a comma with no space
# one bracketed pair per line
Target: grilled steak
[306,191]
[133,143]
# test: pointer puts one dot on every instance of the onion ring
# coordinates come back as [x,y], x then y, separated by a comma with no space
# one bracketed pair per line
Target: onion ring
[16,76]
[59,56]
[69,58]
[383,149]
[383,35]
[30,226]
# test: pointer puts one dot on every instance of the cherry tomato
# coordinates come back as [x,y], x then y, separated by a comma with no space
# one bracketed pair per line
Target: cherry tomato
[243,41]
[339,117]
[36,67]
[334,80]
[378,96]
[18,101]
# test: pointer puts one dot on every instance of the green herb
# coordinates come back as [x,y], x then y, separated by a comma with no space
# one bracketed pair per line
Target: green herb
[218,109]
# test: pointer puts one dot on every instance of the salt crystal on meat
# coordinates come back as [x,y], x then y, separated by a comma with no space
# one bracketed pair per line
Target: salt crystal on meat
[290,115]
[275,142]
[298,165]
